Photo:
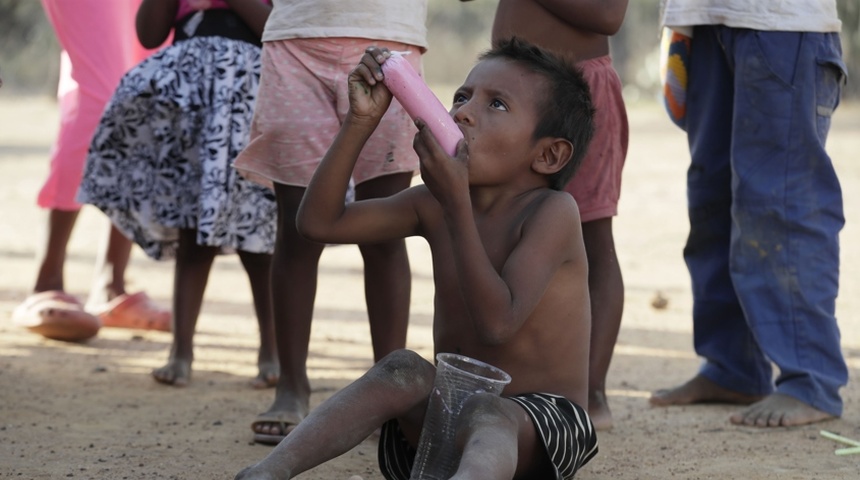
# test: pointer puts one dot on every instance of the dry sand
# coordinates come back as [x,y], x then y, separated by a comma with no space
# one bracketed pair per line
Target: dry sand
[92,411]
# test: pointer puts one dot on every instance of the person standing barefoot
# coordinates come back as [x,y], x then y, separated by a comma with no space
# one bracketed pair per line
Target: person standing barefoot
[765,208]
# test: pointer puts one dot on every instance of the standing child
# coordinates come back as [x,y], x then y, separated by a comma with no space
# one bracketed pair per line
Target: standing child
[510,273]
[309,47]
[579,30]
[765,208]
[98,48]
[160,163]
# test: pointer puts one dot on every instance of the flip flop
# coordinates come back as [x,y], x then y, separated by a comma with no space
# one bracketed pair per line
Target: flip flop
[271,417]
[57,315]
[134,311]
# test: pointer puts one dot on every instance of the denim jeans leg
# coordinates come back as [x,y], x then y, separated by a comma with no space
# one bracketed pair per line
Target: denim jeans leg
[787,207]
[721,335]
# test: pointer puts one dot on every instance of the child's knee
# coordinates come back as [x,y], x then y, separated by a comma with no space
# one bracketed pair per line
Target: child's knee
[405,369]
[486,409]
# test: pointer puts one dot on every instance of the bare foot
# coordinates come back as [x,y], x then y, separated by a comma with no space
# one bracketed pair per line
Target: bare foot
[271,427]
[700,390]
[267,376]
[779,410]
[176,372]
[598,410]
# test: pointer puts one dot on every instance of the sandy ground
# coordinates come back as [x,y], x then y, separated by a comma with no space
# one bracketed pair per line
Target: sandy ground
[92,411]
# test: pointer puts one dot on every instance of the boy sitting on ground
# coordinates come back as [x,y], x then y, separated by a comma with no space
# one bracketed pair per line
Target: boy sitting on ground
[509,264]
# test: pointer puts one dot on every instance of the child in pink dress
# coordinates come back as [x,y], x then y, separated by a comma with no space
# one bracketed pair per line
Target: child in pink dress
[99,46]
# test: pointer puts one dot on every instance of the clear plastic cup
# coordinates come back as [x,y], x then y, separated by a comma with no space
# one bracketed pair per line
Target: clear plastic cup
[457,378]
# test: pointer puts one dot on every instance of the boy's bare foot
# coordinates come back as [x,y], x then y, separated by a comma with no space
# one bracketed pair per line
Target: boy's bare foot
[176,372]
[268,375]
[779,410]
[700,390]
[598,410]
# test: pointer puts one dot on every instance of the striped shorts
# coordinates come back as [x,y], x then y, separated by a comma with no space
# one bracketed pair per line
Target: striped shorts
[564,427]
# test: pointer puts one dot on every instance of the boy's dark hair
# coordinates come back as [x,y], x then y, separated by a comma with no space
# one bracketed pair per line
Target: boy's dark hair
[565,111]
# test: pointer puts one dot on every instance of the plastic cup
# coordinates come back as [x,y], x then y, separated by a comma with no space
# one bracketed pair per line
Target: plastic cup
[457,378]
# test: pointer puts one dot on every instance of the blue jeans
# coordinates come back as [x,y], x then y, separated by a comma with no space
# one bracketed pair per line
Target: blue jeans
[765,211]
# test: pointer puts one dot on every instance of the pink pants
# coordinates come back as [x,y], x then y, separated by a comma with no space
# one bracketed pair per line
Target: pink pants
[99,45]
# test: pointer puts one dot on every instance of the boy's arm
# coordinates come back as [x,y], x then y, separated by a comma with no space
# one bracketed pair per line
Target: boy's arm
[599,16]
[498,301]
[322,215]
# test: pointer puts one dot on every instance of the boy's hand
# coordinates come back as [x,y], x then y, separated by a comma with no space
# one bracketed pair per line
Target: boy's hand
[446,177]
[368,97]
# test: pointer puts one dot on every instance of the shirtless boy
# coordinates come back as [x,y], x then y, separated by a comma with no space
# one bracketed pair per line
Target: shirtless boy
[510,272]
[579,30]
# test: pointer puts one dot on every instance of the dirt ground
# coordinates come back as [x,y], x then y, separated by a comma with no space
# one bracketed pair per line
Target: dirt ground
[92,411]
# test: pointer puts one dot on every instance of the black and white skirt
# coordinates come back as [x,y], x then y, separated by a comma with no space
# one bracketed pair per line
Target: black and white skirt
[161,158]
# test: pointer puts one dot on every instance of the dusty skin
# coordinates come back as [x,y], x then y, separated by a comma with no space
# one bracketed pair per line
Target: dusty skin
[93,410]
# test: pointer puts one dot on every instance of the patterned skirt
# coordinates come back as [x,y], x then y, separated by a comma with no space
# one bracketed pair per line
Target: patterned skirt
[162,156]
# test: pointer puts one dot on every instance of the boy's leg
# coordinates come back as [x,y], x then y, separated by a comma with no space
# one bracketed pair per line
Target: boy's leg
[191,273]
[258,268]
[606,290]
[735,370]
[526,436]
[397,386]
[387,277]
[597,189]
[492,432]
[787,213]
[293,284]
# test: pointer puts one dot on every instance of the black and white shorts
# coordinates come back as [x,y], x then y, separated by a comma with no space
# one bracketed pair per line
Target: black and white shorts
[564,427]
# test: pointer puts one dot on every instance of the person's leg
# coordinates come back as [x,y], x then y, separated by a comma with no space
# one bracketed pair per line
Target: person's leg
[191,274]
[787,215]
[52,256]
[387,277]
[606,289]
[397,386]
[488,435]
[258,268]
[597,190]
[525,436]
[111,262]
[48,310]
[294,284]
[735,369]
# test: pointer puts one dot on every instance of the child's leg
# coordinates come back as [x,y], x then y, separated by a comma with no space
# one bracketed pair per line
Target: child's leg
[191,274]
[607,303]
[294,283]
[387,277]
[398,386]
[111,262]
[53,256]
[498,440]
[258,268]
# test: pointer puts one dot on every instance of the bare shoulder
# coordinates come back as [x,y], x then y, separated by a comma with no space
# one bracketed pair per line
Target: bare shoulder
[555,211]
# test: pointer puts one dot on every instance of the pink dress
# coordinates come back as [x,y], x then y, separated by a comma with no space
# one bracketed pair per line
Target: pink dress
[99,45]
